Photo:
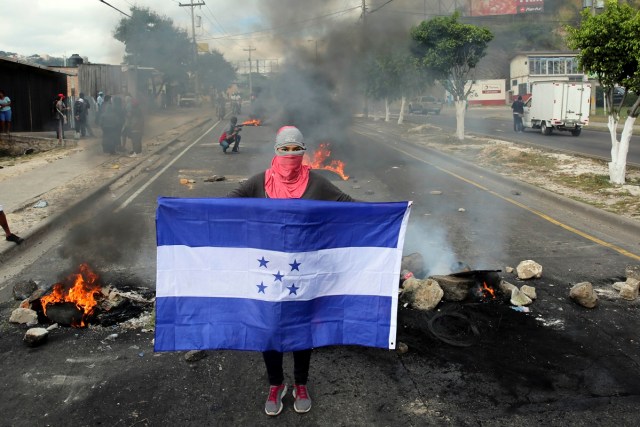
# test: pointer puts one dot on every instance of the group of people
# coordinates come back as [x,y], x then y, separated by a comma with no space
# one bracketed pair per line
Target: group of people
[80,112]
[119,121]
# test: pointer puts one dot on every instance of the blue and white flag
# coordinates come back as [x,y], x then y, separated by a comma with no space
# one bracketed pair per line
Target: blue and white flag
[277,274]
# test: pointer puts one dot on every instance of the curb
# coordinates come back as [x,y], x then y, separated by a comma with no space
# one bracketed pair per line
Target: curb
[90,196]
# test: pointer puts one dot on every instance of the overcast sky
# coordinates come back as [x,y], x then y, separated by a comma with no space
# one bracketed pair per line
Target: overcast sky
[64,27]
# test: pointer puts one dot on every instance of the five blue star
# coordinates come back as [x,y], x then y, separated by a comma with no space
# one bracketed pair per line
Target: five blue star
[263,262]
[278,276]
[295,265]
[293,289]
[261,287]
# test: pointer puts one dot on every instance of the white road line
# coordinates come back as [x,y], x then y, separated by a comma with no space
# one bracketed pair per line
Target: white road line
[161,171]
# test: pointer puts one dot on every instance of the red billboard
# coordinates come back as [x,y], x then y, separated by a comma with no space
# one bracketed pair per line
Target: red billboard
[504,7]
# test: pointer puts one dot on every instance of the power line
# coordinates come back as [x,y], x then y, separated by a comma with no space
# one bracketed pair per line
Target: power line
[111,6]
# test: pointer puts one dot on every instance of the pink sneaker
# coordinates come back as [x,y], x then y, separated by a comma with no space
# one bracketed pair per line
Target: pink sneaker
[274,402]
[302,401]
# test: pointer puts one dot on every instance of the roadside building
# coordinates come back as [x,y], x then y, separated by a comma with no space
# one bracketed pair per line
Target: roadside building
[529,67]
[487,92]
[31,88]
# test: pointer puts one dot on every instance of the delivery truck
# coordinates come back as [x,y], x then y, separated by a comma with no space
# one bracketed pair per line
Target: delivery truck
[559,105]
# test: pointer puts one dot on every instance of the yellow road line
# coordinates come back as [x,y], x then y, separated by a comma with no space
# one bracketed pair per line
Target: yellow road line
[527,208]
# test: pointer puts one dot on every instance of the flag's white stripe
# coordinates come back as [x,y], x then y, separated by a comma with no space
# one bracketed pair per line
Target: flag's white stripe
[398,263]
[236,273]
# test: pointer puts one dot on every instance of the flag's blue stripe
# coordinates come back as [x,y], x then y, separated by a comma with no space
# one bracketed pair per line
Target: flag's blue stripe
[284,225]
[187,323]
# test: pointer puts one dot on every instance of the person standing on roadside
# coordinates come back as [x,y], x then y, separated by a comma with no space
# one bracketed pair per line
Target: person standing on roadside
[61,117]
[5,112]
[135,125]
[288,178]
[111,123]
[99,102]
[518,112]
[80,111]
[9,236]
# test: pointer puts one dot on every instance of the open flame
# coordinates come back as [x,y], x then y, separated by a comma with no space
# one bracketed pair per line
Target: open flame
[488,292]
[320,156]
[254,122]
[80,288]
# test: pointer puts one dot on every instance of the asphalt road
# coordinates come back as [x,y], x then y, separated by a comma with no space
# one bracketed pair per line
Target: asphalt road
[561,364]
[591,142]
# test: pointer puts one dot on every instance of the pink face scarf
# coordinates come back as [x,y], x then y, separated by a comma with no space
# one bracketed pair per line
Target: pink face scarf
[287,178]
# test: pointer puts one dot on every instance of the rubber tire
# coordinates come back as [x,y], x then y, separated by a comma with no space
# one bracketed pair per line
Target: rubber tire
[576,132]
[544,129]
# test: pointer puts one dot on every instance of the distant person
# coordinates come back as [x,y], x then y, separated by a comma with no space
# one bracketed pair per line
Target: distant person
[518,112]
[99,102]
[231,136]
[128,105]
[5,112]
[220,107]
[10,237]
[86,113]
[111,122]
[61,117]
[135,126]
[80,112]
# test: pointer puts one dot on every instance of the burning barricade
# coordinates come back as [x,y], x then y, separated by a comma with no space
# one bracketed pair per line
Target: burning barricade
[79,301]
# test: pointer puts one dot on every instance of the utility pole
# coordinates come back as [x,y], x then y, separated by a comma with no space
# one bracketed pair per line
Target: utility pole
[364,48]
[193,36]
[250,86]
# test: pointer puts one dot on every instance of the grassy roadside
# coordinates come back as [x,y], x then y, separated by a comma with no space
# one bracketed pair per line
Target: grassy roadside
[579,178]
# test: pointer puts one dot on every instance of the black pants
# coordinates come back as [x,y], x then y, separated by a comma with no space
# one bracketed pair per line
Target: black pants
[235,141]
[301,361]
[136,141]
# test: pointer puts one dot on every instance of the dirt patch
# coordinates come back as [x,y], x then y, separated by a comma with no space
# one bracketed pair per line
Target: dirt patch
[575,177]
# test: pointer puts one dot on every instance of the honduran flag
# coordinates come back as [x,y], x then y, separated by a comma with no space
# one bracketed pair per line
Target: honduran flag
[277,274]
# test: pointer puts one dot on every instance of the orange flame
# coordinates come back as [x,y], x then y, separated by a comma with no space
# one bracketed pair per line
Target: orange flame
[80,288]
[487,291]
[254,122]
[320,156]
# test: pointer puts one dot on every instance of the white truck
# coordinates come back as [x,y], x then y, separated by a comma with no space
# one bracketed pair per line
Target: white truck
[559,105]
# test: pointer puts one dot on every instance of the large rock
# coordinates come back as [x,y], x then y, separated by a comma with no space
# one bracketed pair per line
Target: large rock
[507,288]
[529,269]
[421,294]
[633,272]
[455,288]
[35,336]
[583,294]
[519,298]
[24,316]
[529,291]
[23,290]
[629,290]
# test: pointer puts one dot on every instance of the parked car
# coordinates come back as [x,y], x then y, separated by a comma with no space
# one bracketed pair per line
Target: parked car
[425,104]
[190,100]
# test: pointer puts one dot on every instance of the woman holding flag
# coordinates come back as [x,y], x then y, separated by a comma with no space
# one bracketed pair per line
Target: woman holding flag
[288,178]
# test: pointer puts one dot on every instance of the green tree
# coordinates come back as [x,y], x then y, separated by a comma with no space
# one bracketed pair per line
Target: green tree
[448,51]
[384,73]
[152,40]
[609,48]
[215,72]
